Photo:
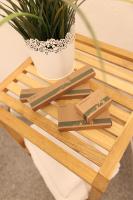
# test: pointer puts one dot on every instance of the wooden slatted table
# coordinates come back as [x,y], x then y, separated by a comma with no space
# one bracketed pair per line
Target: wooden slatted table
[118,74]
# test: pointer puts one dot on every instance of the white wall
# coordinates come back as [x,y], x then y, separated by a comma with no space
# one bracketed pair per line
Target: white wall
[12,50]
[112,21]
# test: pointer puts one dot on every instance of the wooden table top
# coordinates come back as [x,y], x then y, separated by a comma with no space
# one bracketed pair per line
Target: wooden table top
[116,79]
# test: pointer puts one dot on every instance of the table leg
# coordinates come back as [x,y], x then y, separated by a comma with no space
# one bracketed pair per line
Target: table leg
[95,194]
[132,145]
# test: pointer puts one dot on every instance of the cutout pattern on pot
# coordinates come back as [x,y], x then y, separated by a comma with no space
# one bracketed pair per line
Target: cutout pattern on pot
[50,45]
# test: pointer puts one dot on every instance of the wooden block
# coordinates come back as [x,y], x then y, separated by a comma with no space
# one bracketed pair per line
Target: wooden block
[70,120]
[77,92]
[60,87]
[93,105]
[80,91]
[25,93]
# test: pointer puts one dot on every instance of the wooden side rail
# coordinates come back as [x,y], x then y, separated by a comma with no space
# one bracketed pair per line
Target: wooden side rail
[118,149]
[110,53]
[102,179]
[118,70]
[47,146]
[12,76]
[125,54]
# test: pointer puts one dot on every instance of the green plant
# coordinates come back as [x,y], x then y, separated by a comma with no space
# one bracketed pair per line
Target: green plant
[20,20]
[41,19]
[72,5]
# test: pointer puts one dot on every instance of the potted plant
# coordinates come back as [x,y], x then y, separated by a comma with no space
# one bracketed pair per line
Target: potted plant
[47,27]
[48,32]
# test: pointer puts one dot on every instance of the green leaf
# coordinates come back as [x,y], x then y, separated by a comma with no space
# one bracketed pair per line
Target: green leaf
[14,15]
[14,6]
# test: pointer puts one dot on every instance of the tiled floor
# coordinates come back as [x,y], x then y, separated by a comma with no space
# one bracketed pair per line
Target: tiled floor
[20,180]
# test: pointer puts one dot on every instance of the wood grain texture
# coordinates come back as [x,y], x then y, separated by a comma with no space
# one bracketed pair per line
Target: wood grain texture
[115,111]
[60,87]
[14,88]
[95,194]
[103,139]
[119,96]
[67,138]
[115,129]
[47,146]
[114,93]
[117,84]
[119,113]
[29,81]
[108,67]
[14,74]
[118,149]
[122,53]
[75,121]
[91,106]
[77,92]
[111,80]
[106,56]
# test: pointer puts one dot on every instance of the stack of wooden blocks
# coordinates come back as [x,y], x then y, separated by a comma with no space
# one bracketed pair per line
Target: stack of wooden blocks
[92,110]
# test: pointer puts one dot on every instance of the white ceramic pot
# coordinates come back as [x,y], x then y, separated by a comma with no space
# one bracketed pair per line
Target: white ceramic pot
[54,59]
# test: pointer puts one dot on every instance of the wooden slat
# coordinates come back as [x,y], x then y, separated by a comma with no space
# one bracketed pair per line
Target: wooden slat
[29,81]
[109,68]
[13,75]
[115,82]
[97,136]
[32,69]
[115,145]
[122,53]
[121,98]
[14,87]
[112,92]
[118,149]
[111,80]
[116,129]
[67,138]
[119,113]
[114,110]
[48,146]
[106,56]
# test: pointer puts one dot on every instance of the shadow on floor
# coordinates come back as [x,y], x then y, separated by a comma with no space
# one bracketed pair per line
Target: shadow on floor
[20,180]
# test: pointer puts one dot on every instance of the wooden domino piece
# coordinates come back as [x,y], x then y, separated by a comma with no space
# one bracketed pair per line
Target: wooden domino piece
[26,93]
[60,87]
[70,120]
[93,105]
[80,91]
